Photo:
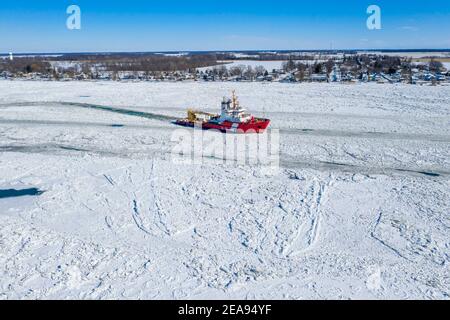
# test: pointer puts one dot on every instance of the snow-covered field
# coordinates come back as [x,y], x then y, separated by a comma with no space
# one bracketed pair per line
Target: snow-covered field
[268,65]
[414,55]
[359,208]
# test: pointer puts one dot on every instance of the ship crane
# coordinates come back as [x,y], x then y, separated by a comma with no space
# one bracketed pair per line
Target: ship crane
[195,115]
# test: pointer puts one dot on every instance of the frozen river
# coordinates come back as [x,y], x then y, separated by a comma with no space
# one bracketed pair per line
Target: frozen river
[93,206]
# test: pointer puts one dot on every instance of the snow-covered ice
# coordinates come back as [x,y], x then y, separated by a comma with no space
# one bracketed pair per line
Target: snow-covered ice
[359,208]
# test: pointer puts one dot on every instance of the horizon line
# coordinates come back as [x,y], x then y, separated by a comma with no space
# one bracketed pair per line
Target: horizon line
[230,51]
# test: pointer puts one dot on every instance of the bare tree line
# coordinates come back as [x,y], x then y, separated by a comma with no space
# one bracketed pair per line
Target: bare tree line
[108,63]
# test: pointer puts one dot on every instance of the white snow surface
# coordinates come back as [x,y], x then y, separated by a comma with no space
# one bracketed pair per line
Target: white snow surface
[359,208]
[269,65]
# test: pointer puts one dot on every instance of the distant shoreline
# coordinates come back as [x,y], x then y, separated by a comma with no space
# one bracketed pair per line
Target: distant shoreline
[229,51]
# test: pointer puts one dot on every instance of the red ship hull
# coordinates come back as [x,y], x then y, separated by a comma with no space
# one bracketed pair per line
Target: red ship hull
[253,126]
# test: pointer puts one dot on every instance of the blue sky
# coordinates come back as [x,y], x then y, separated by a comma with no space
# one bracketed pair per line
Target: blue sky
[175,25]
